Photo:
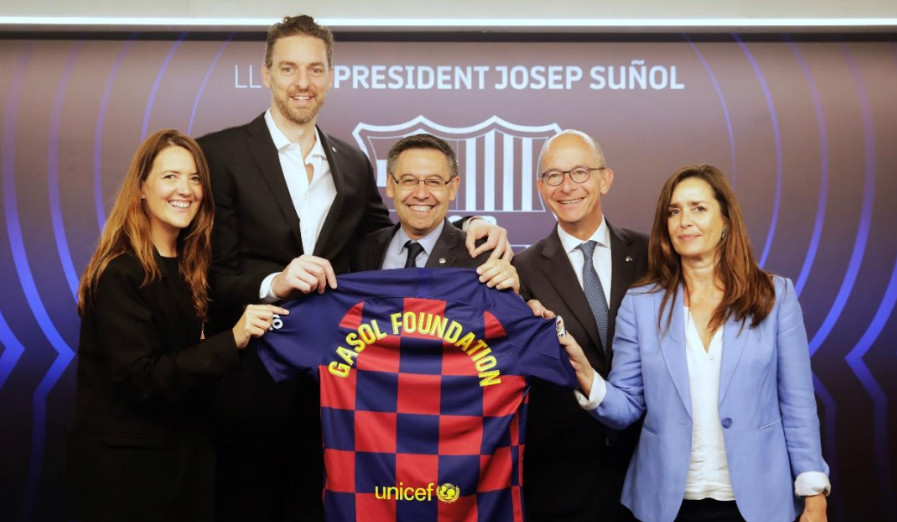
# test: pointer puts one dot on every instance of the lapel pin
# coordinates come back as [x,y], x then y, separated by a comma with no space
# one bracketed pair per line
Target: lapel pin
[333,149]
[441,260]
[628,259]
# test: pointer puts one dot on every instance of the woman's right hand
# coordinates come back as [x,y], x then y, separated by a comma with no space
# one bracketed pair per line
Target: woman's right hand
[585,374]
[255,321]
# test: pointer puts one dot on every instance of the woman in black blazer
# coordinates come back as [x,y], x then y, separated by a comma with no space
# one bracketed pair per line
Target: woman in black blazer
[139,445]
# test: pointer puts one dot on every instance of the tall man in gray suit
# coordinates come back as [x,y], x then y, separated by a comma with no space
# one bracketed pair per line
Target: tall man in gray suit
[574,467]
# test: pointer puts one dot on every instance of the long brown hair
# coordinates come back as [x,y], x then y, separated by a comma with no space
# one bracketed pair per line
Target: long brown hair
[747,289]
[127,230]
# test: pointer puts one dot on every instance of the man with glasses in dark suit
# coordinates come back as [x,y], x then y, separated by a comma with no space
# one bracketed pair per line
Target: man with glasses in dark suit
[422,180]
[574,467]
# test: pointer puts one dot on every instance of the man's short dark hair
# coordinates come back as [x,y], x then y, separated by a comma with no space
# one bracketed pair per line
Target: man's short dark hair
[298,25]
[422,141]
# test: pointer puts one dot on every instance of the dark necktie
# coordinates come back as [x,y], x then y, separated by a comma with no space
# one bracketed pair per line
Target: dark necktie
[591,285]
[414,249]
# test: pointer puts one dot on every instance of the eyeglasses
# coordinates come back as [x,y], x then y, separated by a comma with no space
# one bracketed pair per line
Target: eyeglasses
[555,177]
[411,182]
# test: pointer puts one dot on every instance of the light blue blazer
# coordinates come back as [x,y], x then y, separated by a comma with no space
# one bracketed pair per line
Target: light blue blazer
[766,407]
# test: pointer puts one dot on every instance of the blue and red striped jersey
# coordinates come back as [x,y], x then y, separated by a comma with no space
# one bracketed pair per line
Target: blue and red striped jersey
[423,377]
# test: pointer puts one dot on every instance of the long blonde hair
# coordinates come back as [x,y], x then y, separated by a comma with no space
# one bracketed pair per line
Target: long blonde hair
[127,230]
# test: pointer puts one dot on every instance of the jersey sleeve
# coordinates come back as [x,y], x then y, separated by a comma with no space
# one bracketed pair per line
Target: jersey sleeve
[540,354]
[299,342]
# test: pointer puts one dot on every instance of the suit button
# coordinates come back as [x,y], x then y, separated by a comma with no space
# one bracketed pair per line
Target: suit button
[727,422]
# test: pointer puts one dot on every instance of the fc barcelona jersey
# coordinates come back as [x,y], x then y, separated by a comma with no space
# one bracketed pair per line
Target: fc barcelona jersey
[423,377]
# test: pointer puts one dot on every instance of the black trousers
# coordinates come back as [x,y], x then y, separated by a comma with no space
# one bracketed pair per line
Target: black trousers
[269,449]
[709,510]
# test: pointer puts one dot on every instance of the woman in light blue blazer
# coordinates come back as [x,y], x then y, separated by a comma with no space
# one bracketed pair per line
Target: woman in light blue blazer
[713,351]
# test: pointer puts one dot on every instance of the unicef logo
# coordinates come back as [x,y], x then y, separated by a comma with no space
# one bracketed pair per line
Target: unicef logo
[448,493]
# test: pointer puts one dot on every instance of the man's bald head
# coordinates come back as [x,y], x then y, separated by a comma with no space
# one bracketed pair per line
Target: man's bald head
[572,178]
[572,137]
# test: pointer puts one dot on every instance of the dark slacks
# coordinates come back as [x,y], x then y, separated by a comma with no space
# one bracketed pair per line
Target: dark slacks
[709,510]
[270,457]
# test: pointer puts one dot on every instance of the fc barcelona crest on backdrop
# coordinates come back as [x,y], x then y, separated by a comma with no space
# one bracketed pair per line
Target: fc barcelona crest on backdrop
[498,161]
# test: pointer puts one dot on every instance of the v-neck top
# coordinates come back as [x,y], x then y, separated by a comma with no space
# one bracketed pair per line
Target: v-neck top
[708,469]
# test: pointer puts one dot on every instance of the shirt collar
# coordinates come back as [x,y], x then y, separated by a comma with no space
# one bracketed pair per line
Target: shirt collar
[428,241]
[281,141]
[601,236]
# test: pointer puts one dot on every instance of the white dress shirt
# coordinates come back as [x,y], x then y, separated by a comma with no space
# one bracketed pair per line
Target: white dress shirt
[600,259]
[396,254]
[311,199]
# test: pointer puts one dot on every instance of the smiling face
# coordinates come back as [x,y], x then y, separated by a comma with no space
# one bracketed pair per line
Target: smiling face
[421,209]
[695,220]
[577,206]
[172,192]
[299,78]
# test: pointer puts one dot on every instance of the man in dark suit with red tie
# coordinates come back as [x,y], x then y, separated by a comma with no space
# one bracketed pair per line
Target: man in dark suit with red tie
[290,203]
[573,466]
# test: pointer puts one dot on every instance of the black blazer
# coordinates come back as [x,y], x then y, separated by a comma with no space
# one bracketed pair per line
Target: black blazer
[256,229]
[566,448]
[271,431]
[450,250]
[256,233]
[139,443]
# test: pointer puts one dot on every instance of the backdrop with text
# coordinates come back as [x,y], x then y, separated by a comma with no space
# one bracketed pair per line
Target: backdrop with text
[806,130]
